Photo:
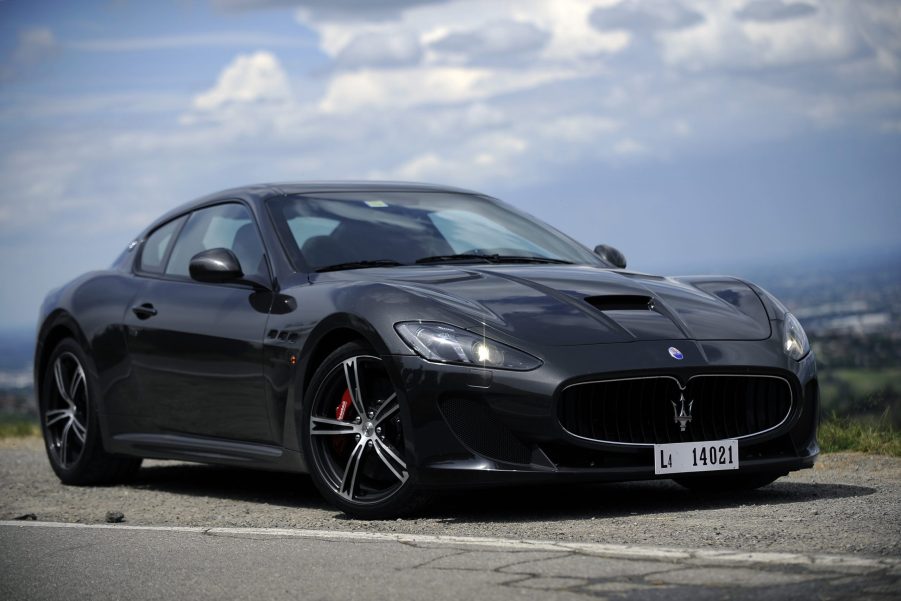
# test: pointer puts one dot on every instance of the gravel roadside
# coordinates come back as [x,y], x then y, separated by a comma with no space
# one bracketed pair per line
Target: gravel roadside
[849,503]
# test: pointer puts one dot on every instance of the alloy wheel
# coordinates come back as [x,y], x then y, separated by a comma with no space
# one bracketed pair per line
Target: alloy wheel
[356,434]
[66,412]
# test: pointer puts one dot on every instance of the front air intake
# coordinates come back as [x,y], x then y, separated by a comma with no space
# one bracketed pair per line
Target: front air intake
[480,429]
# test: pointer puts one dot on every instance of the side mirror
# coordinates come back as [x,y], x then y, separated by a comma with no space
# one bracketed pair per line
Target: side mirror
[215,266]
[611,255]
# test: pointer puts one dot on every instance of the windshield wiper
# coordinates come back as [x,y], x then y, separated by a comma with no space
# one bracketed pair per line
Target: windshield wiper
[360,265]
[528,259]
[491,259]
[444,258]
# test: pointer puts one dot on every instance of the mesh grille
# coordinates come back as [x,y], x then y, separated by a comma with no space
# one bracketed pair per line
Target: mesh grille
[480,429]
[641,411]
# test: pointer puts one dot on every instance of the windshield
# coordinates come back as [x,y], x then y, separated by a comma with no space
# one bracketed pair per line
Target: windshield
[366,229]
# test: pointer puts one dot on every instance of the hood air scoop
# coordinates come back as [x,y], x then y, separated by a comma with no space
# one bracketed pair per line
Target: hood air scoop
[621,302]
[637,315]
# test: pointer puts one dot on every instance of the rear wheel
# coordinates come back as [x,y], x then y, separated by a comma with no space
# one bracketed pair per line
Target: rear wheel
[711,483]
[69,421]
[353,437]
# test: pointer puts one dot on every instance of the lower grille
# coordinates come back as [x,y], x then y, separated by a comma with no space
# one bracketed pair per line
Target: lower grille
[479,429]
[643,410]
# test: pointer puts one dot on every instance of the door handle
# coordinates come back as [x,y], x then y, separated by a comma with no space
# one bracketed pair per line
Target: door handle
[144,311]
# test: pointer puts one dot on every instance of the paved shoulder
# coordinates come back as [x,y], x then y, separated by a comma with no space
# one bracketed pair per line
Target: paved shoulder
[71,561]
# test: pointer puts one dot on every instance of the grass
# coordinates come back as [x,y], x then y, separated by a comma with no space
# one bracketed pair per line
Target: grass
[876,437]
[18,427]
[836,434]
[853,392]
[864,382]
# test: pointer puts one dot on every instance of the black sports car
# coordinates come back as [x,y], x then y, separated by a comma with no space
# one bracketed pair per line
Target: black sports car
[398,339]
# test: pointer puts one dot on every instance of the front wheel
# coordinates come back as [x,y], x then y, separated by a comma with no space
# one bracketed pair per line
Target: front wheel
[353,437]
[712,483]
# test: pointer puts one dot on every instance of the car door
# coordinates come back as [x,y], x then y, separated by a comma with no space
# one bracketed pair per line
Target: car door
[197,348]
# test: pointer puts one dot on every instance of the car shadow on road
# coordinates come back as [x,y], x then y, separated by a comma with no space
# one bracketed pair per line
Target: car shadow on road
[571,501]
[274,488]
[614,500]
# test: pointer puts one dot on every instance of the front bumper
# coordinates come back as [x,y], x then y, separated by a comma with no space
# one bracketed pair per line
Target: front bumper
[469,427]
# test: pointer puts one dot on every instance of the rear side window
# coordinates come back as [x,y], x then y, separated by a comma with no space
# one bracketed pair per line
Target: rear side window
[153,255]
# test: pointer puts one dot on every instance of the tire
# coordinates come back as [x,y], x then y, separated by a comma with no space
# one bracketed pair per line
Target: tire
[714,483]
[358,462]
[69,422]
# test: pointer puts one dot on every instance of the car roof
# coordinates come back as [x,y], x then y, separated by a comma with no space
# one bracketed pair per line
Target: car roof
[258,192]
[361,186]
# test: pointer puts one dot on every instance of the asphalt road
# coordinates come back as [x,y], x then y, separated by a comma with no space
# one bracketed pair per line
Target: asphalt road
[849,507]
[49,563]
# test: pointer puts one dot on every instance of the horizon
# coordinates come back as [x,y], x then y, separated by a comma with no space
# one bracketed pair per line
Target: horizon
[709,135]
[758,272]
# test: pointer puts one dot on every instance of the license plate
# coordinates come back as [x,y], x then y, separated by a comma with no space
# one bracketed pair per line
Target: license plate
[708,456]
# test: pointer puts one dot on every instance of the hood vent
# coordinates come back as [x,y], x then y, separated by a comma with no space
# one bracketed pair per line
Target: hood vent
[637,315]
[621,302]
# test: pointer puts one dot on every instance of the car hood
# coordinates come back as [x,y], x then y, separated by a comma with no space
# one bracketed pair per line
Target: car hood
[569,305]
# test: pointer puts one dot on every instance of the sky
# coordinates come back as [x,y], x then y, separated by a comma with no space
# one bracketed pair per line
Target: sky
[705,134]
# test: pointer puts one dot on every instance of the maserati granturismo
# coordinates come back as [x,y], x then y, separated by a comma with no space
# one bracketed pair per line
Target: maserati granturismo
[394,340]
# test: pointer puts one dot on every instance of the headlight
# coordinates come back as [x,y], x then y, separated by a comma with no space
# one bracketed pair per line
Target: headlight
[446,344]
[794,340]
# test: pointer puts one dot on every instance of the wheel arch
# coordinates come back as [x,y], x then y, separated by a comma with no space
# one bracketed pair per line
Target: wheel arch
[58,326]
[333,333]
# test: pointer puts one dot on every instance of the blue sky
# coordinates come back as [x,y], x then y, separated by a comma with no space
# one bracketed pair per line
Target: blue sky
[710,134]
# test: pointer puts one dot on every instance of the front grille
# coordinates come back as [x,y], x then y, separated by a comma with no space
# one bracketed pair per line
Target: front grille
[642,410]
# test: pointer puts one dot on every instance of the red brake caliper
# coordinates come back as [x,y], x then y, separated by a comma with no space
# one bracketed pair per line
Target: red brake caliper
[340,442]
[341,409]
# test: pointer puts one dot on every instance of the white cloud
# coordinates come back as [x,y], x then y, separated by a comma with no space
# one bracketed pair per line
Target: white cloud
[145,104]
[34,46]
[474,50]
[879,24]
[723,41]
[566,22]
[375,49]
[891,127]
[580,128]
[485,157]
[645,17]
[573,38]
[195,40]
[405,88]
[629,147]
[681,127]
[409,109]
[497,38]
[342,10]
[774,10]
[250,78]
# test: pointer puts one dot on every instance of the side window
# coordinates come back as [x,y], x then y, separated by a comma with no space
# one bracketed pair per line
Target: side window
[223,226]
[157,245]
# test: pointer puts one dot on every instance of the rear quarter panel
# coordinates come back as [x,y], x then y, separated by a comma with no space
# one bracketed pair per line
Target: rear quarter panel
[92,308]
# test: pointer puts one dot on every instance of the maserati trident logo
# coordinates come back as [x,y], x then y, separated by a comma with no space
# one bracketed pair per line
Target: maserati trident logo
[682,412]
[675,353]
